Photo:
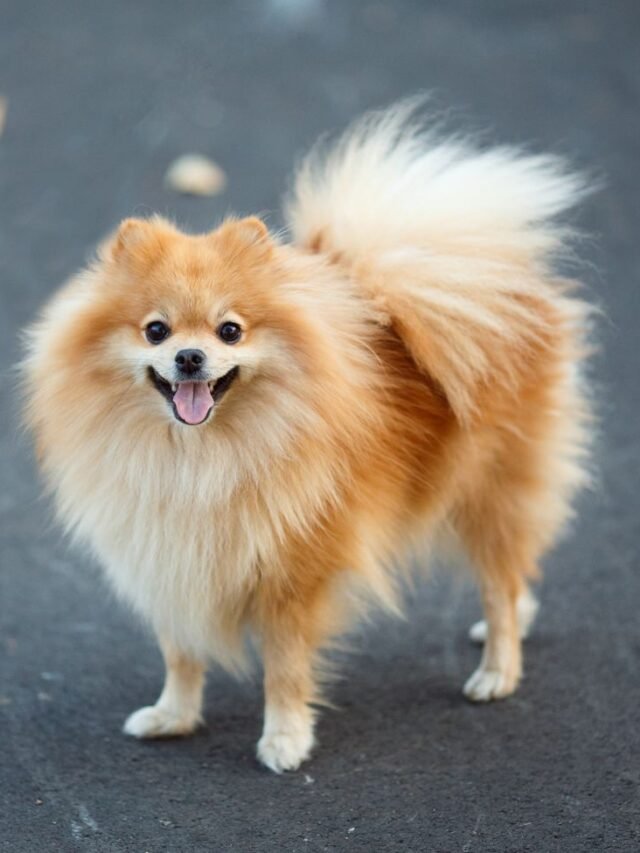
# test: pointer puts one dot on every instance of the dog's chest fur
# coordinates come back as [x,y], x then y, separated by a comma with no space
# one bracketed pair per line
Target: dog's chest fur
[178,534]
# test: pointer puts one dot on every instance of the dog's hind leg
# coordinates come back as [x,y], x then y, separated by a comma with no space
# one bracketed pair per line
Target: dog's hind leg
[178,709]
[527,606]
[496,530]
[501,665]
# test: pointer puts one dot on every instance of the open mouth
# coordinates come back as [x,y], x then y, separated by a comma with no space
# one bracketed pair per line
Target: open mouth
[192,401]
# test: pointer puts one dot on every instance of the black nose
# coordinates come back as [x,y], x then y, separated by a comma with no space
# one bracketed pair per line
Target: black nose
[190,360]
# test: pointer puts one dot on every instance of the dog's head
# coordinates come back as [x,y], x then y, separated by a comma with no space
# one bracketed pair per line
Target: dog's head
[182,322]
[230,337]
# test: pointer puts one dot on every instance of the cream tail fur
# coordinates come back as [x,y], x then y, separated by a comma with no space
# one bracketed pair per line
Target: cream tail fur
[443,237]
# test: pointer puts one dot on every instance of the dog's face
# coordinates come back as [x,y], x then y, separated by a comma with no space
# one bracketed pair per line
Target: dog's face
[185,321]
[226,336]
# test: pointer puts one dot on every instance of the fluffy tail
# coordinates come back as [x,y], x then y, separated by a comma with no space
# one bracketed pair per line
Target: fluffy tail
[456,246]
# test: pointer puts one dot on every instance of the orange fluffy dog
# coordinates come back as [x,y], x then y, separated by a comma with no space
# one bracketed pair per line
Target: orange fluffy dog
[249,434]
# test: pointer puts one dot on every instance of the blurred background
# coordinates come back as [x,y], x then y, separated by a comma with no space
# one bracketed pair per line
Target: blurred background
[99,100]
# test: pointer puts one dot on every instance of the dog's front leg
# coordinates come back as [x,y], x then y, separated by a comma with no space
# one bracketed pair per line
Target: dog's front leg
[287,737]
[179,707]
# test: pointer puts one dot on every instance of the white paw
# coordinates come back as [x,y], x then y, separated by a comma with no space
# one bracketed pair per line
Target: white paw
[478,632]
[285,750]
[154,721]
[527,607]
[487,684]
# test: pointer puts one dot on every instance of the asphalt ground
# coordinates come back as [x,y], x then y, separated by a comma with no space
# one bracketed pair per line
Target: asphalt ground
[102,97]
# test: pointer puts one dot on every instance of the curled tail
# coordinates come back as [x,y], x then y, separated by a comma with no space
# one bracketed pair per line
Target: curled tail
[457,247]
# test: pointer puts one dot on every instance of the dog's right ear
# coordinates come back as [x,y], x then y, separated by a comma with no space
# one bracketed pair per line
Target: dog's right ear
[133,237]
[129,233]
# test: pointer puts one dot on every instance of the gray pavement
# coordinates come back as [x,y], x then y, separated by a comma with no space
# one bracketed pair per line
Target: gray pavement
[102,96]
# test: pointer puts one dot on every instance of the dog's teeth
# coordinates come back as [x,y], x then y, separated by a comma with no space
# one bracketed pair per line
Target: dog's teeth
[174,387]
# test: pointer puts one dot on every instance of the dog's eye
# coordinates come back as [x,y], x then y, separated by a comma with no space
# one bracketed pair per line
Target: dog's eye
[230,333]
[156,332]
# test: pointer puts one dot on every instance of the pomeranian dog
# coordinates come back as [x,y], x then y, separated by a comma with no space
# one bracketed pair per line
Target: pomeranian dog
[252,435]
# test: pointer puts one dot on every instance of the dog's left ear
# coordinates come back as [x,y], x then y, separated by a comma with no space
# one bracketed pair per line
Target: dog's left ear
[249,233]
[252,230]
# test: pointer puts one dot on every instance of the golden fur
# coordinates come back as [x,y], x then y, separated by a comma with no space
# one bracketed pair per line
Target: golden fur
[408,367]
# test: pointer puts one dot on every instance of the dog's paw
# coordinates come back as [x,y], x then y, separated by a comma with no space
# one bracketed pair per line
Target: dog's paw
[285,750]
[478,632]
[526,608]
[154,721]
[487,684]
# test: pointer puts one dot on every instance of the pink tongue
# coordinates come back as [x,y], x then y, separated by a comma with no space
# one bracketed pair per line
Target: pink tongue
[193,401]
